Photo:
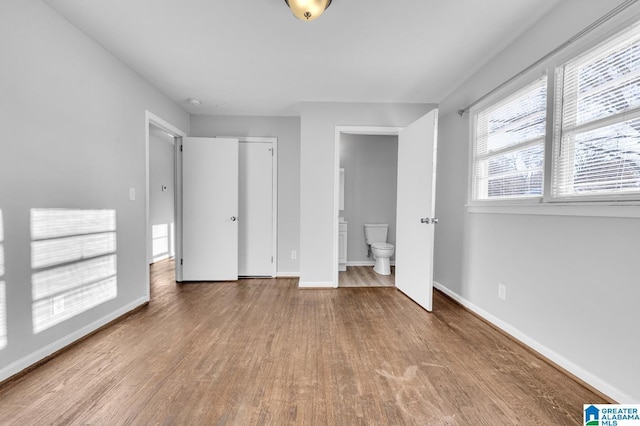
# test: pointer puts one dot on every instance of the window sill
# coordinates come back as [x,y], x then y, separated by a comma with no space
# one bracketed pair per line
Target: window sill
[622,209]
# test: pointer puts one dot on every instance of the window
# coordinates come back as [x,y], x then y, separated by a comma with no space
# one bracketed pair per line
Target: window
[509,145]
[595,143]
[597,150]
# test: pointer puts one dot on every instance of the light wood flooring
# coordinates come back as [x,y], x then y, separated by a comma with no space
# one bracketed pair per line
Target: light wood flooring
[263,352]
[364,276]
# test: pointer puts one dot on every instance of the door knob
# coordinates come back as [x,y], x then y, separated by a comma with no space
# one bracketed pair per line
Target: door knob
[425,220]
[233,218]
[434,220]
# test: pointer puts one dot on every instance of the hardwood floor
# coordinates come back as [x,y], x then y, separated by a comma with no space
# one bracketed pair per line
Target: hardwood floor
[261,351]
[364,276]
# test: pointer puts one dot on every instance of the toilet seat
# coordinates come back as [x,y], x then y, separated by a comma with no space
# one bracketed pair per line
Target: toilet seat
[382,246]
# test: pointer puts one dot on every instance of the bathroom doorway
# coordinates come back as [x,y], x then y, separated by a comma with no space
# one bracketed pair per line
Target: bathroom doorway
[415,204]
[368,167]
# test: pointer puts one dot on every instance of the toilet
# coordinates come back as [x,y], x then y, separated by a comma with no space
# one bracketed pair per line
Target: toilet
[375,234]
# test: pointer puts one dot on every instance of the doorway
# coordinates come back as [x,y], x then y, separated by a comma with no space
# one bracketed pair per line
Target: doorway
[369,164]
[343,132]
[155,125]
[161,194]
[415,205]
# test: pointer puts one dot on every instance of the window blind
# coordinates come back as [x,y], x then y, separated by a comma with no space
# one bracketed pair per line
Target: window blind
[597,150]
[509,145]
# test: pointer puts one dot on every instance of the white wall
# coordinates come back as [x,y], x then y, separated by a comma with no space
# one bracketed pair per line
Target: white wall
[161,203]
[73,127]
[371,171]
[287,130]
[572,282]
[317,169]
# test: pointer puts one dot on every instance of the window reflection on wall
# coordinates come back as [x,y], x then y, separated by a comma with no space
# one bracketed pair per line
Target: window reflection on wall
[162,241]
[3,298]
[73,258]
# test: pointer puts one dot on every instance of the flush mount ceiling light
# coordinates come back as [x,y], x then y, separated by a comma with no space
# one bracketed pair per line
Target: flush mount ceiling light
[307,10]
[194,101]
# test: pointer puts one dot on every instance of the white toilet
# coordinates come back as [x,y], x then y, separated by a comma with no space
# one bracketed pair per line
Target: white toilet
[375,235]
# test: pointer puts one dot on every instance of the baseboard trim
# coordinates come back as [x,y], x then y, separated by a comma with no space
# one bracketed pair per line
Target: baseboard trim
[361,263]
[42,355]
[580,374]
[367,263]
[288,275]
[315,284]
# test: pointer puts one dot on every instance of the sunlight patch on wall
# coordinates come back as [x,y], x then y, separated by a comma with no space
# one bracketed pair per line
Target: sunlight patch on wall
[73,256]
[172,247]
[162,241]
[3,296]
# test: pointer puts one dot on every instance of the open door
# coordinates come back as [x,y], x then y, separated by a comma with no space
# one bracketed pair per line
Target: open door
[209,209]
[415,210]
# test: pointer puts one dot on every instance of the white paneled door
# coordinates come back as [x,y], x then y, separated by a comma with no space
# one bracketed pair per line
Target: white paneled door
[210,209]
[255,246]
[415,209]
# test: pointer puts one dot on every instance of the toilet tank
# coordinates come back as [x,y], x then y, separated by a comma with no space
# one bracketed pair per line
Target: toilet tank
[375,232]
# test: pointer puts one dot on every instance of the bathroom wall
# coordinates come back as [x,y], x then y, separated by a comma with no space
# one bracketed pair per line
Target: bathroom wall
[371,168]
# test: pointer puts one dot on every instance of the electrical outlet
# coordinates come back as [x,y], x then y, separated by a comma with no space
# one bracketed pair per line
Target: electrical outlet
[502,291]
[294,254]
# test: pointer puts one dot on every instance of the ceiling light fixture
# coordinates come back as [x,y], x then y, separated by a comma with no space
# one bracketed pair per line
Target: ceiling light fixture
[194,101]
[307,10]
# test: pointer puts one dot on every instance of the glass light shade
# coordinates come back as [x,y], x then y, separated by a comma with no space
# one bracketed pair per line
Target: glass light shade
[308,10]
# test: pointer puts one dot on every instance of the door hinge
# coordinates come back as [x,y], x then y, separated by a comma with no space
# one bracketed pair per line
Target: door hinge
[181,261]
[271,259]
[180,148]
[271,150]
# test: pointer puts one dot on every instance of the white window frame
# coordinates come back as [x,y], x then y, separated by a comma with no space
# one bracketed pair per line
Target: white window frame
[515,87]
[588,126]
[617,205]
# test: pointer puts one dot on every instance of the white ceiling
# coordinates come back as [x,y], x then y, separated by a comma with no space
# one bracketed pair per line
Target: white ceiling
[252,57]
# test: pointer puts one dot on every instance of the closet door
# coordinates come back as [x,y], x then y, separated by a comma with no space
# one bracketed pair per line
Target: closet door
[210,209]
[255,233]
